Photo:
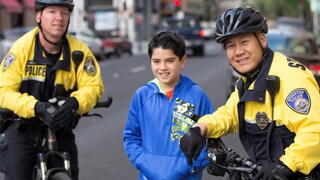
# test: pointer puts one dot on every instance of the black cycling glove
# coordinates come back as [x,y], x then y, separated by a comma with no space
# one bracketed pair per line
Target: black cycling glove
[192,143]
[66,111]
[274,171]
[45,111]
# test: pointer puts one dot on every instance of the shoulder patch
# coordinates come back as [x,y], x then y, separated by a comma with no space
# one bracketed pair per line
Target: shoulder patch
[299,101]
[7,61]
[89,66]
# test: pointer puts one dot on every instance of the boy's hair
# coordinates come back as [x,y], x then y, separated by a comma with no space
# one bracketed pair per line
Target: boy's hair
[168,40]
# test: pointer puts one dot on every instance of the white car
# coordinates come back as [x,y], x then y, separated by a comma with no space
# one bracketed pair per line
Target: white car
[88,37]
[2,49]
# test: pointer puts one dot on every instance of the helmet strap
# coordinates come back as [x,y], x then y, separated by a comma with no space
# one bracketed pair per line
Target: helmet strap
[263,49]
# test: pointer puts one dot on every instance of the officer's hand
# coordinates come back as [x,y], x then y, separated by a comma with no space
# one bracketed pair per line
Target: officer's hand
[274,171]
[44,111]
[192,143]
[66,111]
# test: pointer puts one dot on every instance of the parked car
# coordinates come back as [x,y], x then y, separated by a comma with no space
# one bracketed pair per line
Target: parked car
[116,45]
[2,49]
[9,36]
[285,22]
[88,37]
[299,45]
[208,30]
[189,29]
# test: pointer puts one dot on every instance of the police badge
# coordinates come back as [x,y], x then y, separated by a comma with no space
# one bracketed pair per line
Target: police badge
[262,120]
[299,101]
[7,61]
[89,66]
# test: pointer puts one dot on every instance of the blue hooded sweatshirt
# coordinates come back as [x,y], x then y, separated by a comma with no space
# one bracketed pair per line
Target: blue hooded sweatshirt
[155,125]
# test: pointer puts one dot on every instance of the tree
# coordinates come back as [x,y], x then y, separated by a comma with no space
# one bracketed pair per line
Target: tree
[274,8]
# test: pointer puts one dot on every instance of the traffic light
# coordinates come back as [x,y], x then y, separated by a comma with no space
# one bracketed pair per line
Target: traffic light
[177,2]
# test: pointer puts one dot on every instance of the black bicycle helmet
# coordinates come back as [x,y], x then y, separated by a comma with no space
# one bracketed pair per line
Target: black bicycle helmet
[41,4]
[239,20]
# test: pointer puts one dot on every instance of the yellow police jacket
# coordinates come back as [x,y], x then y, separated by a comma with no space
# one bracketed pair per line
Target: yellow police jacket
[297,106]
[21,76]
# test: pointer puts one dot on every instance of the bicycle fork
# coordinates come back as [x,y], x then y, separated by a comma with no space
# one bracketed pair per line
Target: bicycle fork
[52,151]
[43,164]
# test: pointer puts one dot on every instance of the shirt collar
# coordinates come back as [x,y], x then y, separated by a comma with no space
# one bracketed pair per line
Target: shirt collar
[40,58]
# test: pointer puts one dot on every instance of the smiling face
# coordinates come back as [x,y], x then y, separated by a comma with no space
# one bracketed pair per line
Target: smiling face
[166,67]
[54,21]
[244,51]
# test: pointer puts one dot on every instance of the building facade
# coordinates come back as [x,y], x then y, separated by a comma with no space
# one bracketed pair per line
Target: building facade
[16,13]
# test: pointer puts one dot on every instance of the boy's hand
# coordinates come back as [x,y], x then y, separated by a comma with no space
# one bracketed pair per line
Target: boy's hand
[192,143]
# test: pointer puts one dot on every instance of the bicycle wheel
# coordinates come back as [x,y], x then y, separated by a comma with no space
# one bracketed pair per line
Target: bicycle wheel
[36,174]
[60,176]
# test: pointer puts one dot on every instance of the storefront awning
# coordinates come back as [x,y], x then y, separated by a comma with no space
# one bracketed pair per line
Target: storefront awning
[29,3]
[11,6]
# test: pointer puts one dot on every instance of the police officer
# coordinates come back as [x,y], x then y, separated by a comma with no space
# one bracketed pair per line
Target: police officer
[46,63]
[275,106]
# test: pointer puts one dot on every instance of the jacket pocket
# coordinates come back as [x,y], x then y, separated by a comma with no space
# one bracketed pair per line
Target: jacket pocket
[3,155]
[161,167]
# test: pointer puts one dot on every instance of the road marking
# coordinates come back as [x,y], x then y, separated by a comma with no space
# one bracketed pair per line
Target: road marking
[138,69]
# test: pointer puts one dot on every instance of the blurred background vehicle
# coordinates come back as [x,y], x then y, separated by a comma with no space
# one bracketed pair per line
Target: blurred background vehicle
[300,45]
[88,37]
[2,49]
[297,44]
[189,29]
[116,45]
[288,23]
[9,36]
[208,30]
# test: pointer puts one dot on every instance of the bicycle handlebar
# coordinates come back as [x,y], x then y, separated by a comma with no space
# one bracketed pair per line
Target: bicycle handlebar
[104,104]
[5,111]
[223,159]
[101,104]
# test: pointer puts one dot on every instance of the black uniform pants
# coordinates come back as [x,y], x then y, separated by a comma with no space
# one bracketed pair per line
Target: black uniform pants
[23,144]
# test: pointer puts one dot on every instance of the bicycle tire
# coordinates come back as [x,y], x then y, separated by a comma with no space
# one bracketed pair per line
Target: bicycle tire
[36,174]
[60,176]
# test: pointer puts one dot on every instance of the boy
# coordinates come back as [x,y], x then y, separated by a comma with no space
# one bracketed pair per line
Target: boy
[160,114]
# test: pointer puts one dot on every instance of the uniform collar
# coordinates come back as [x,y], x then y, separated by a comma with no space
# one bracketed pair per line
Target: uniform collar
[64,61]
[258,92]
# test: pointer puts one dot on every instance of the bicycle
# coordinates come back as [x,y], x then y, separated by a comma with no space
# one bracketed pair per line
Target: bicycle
[41,170]
[225,160]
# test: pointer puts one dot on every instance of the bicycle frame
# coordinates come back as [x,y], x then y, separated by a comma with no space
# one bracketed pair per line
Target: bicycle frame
[41,167]
[41,170]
